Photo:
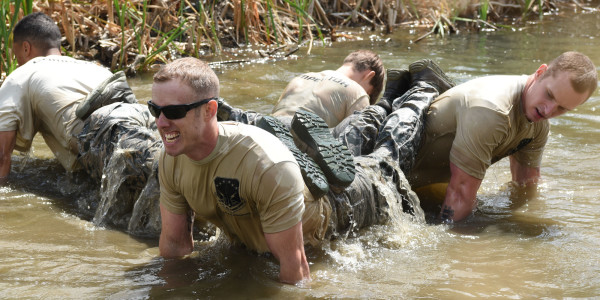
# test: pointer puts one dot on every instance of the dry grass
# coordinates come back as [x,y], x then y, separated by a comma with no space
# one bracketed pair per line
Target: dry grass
[135,34]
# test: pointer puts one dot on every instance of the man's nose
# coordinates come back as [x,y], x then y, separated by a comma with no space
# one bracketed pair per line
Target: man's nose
[551,107]
[162,121]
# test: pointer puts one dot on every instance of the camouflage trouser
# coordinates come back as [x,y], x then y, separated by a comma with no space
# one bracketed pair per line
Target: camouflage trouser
[397,135]
[384,148]
[379,194]
[119,146]
[243,116]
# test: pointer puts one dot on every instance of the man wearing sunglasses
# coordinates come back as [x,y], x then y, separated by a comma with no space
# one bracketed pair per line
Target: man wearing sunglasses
[236,176]
[88,117]
[245,180]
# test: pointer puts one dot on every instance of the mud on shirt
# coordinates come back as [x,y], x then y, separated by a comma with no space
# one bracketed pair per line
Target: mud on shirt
[249,185]
[329,94]
[475,124]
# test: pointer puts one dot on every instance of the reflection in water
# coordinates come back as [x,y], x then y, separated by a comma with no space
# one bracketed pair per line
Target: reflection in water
[499,211]
[518,244]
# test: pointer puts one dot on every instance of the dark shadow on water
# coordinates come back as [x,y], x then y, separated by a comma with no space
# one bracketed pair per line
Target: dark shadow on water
[215,270]
[74,193]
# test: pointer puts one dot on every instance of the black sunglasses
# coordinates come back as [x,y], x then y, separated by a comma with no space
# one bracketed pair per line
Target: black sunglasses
[173,112]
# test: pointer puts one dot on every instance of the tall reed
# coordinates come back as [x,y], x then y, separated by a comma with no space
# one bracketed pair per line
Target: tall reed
[145,31]
[9,11]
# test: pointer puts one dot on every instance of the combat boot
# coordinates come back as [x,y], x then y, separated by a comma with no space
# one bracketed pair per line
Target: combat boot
[428,71]
[226,112]
[312,136]
[397,83]
[311,173]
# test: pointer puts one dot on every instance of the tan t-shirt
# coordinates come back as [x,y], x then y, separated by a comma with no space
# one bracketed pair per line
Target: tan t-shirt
[475,124]
[329,94]
[249,185]
[42,96]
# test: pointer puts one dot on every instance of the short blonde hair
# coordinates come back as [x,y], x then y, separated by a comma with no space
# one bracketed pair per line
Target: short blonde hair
[191,71]
[583,74]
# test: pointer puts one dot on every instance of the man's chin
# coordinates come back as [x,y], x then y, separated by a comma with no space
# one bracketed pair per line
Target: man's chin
[172,150]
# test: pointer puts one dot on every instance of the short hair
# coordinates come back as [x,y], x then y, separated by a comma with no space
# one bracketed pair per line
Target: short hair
[39,30]
[362,60]
[583,74]
[194,72]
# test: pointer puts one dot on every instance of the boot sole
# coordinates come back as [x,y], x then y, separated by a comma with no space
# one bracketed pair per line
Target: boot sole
[423,64]
[313,177]
[397,83]
[312,135]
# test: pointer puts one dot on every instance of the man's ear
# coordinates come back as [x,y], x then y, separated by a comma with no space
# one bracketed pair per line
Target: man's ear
[211,109]
[26,48]
[541,70]
[369,76]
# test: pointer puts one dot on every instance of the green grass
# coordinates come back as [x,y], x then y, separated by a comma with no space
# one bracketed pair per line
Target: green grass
[7,61]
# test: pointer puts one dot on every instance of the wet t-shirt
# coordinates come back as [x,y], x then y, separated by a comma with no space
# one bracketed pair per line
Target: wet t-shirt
[329,94]
[475,124]
[249,185]
[42,96]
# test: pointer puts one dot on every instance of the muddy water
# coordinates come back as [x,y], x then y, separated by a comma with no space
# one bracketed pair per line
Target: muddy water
[538,245]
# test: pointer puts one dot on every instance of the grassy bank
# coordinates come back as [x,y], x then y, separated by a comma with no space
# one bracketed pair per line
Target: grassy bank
[133,35]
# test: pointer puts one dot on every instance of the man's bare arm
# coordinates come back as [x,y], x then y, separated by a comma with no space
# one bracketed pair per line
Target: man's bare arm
[523,175]
[461,195]
[288,248]
[7,145]
[176,234]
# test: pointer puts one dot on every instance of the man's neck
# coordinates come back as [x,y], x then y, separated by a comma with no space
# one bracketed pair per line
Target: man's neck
[347,70]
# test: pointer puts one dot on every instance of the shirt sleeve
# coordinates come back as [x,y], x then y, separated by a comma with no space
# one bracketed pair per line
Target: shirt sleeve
[531,154]
[479,131]
[280,199]
[170,197]
[11,93]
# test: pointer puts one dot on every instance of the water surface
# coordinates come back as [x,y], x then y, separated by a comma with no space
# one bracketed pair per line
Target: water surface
[539,245]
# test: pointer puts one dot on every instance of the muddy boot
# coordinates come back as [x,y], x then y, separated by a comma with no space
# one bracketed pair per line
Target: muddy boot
[312,136]
[398,82]
[225,112]
[428,71]
[311,173]
[359,131]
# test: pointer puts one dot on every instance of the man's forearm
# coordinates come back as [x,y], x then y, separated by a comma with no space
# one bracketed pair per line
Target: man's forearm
[7,145]
[461,195]
[4,167]
[456,206]
[522,174]
[170,249]
[176,238]
[288,248]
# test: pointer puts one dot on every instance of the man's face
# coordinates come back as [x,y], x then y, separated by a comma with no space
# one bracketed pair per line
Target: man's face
[550,96]
[184,135]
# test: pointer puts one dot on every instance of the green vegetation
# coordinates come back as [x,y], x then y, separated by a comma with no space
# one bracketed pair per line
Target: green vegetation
[9,11]
[133,35]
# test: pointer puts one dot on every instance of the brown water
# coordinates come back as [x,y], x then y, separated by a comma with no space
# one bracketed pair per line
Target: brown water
[545,247]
